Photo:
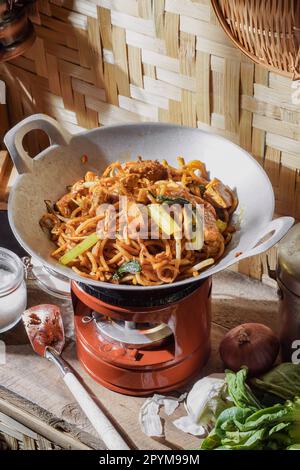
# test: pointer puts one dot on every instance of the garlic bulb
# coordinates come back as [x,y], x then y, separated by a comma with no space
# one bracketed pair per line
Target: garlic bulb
[204,399]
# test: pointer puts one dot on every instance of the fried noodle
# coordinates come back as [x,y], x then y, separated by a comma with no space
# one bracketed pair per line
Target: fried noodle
[74,217]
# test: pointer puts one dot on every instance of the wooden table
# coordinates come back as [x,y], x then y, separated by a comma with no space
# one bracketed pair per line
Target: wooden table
[33,393]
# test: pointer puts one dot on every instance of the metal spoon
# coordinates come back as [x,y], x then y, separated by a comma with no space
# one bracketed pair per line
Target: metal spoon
[45,331]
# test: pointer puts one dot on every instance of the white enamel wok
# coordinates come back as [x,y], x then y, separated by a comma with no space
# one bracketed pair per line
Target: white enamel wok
[47,175]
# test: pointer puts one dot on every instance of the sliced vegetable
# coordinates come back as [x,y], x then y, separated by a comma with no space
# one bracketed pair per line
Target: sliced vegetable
[49,207]
[51,210]
[192,219]
[178,249]
[222,226]
[89,184]
[83,246]
[163,219]
[131,267]
[203,264]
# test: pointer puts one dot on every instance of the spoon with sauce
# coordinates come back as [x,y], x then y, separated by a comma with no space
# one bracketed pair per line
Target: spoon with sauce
[45,330]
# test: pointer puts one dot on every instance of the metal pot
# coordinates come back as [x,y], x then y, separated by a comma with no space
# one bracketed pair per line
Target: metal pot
[288,278]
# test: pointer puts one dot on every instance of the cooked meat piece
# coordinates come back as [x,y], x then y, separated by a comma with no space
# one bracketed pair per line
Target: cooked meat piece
[130,182]
[214,241]
[218,194]
[101,196]
[66,205]
[153,170]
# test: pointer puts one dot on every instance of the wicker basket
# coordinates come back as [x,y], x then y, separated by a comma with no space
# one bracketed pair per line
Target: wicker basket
[26,426]
[266,31]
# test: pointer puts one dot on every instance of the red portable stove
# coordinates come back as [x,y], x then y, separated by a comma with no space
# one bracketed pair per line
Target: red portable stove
[142,342]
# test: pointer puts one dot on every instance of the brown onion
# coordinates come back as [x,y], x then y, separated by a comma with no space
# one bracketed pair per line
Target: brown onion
[253,345]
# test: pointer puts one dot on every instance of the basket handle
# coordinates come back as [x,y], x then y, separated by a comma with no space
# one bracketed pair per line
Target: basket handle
[279,227]
[14,139]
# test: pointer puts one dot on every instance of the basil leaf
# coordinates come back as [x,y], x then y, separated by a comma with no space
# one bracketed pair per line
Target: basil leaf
[245,441]
[228,418]
[248,426]
[278,427]
[131,267]
[212,441]
[239,391]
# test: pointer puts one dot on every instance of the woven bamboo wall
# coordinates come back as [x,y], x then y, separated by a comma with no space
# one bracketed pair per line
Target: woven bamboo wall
[100,62]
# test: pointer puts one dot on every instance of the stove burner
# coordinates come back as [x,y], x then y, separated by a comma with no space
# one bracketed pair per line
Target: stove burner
[141,342]
[151,298]
[131,334]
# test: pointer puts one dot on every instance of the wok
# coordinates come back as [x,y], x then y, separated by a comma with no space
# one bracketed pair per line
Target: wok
[47,175]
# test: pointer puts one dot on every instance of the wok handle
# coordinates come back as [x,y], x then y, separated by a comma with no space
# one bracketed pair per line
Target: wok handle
[107,432]
[278,229]
[14,138]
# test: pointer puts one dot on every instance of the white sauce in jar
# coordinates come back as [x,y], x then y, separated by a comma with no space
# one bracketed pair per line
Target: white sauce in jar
[13,294]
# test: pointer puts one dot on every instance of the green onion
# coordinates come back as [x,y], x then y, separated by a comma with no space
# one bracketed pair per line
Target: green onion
[172,200]
[202,188]
[131,267]
[83,246]
[163,219]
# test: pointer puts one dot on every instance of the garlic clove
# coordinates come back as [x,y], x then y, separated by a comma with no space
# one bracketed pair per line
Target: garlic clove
[202,392]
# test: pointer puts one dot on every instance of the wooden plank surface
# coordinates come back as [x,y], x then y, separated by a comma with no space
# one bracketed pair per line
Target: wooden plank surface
[236,299]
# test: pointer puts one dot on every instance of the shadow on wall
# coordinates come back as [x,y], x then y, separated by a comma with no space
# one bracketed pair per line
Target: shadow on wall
[51,76]
[54,75]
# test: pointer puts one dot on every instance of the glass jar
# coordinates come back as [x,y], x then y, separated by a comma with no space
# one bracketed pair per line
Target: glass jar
[13,294]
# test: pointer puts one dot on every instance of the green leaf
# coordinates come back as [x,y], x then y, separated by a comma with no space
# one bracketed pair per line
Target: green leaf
[294,447]
[172,200]
[212,441]
[278,427]
[244,440]
[239,391]
[131,267]
[289,412]
[294,432]
[228,418]
[282,381]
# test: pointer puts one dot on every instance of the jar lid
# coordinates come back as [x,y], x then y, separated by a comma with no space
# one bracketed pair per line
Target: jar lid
[288,270]
[11,271]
